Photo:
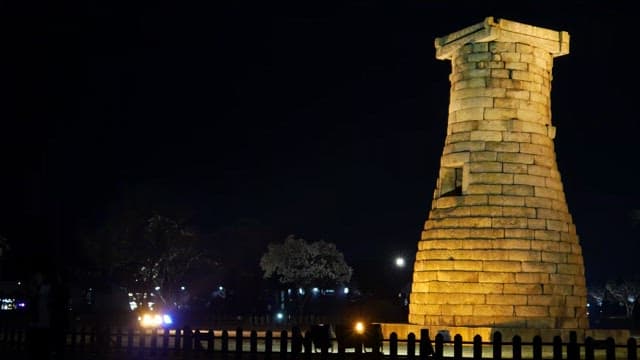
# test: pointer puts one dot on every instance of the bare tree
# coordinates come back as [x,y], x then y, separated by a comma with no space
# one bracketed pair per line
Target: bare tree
[626,292]
[152,255]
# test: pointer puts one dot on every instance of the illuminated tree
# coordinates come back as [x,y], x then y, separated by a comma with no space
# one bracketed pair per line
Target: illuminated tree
[299,264]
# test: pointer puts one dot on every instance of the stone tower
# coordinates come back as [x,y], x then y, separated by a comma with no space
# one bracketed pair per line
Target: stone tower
[499,248]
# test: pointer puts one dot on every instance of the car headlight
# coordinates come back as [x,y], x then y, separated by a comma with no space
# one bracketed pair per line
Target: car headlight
[155,320]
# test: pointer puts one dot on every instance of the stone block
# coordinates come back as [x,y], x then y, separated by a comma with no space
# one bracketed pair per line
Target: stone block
[506,200]
[483,156]
[493,310]
[531,311]
[504,113]
[514,157]
[509,223]
[533,267]
[502,147]
[531,278]
[536,149]
[495,125]
[490,178]
[518,189]
[517,211]
[486,135]
[515,244]
[458,276]
[501,266]
[495,277]
[506,300]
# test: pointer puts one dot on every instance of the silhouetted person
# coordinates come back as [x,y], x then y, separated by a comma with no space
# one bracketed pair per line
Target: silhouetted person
[39,311]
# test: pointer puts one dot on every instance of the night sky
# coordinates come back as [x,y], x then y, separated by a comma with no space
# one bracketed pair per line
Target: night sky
[321,119]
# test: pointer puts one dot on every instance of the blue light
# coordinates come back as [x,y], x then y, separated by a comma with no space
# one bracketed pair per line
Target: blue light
[166,319]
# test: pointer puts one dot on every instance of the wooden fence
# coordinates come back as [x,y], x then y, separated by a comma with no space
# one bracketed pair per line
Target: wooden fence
[187,343]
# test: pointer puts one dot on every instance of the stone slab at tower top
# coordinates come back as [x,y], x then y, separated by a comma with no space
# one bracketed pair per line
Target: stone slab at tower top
[499,248]
[554,42]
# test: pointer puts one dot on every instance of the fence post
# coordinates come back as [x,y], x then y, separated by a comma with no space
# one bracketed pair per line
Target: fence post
[393,345]
[197,336]
[517,347]
[425,344]
[283,344]
[632,347]
[238,349]
[177,339]
[253,342]
[129,340]
[142,343]
[611,349]
[187,342]
[573,349]
[411,347]
[477,347]
[210,337]
[154,341]
[457,347]
[308,345]
[557,347]
[296,342]
[497,345]
[439,348]
[224,346]
[165,340]
[268,344]
[537,347]
[589,348]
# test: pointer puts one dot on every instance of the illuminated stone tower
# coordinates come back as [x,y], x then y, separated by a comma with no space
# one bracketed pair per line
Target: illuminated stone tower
[499,248]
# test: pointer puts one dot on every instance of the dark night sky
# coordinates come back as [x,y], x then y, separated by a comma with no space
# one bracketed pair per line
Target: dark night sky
[323,119]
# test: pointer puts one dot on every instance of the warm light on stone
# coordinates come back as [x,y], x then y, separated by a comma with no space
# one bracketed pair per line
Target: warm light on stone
[499,248]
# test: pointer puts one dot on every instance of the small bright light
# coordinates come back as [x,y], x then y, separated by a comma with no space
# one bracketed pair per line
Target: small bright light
[279,316]
[157,288]
[130,294]
[133,305]
[182,288]
[359,327]
[19,282]
[220,288]
[315,290]
[301,291]
[346,290]
[167,319]
[400,262]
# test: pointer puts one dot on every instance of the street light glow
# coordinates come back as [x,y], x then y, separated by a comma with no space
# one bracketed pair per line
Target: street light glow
[400,261]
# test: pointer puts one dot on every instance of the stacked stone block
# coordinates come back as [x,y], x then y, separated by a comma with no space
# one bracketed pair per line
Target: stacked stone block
[499,248]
